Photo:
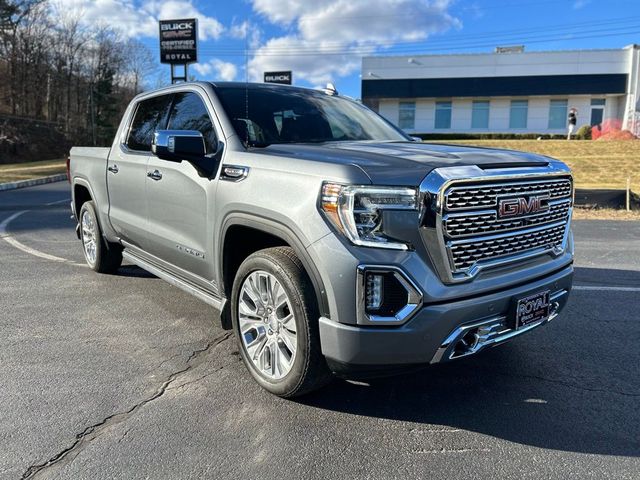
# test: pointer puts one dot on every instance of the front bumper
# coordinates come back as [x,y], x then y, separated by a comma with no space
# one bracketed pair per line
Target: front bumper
[431,334]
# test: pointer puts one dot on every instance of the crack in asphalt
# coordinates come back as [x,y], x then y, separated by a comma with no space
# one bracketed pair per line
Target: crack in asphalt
[569,384]
[93,431]
[202,377]
[452,450]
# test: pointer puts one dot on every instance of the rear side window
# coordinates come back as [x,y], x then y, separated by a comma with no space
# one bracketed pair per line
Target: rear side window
[150,116]
[189,113]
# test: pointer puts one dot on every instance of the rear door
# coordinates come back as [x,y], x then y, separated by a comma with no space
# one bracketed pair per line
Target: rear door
[127,170]
[179,199]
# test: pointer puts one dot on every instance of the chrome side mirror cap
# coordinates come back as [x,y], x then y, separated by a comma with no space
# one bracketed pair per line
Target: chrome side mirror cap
[178,145]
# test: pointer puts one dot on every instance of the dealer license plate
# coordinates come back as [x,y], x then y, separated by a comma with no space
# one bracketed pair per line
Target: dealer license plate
[532,309]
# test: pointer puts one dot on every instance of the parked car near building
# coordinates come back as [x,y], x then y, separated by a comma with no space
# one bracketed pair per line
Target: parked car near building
[328,240]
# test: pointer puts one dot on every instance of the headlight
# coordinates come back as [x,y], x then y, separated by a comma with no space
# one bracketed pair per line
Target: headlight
[357,211]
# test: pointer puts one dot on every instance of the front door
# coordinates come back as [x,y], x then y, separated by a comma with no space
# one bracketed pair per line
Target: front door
[597,114]
[127,171]
[179,199]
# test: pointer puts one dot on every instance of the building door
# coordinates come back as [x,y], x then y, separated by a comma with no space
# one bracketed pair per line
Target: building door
[597,111]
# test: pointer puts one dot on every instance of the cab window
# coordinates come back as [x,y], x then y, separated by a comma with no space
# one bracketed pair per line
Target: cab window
[151,115]
[188,112]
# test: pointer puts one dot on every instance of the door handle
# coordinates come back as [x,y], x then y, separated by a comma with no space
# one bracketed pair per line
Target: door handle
[113,169]
[234,173]
[155,175]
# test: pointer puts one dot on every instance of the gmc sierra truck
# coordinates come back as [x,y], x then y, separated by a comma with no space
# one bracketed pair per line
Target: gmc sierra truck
[326,238]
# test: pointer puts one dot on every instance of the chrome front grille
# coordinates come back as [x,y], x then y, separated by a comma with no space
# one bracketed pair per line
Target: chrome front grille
[481,196]
[477,223]
[481,219]
[466,254]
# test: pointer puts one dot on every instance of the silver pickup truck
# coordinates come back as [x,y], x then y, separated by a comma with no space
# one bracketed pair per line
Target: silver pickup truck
[328,240]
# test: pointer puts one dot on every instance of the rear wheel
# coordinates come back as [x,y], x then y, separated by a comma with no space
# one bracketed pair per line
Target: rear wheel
[101,256]
[275,318]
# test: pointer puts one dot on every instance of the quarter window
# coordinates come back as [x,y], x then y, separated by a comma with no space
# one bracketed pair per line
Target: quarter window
[518,113]
[480,114]
[189,113]
[558,114]
[407,115]
[443,115]
[150,116]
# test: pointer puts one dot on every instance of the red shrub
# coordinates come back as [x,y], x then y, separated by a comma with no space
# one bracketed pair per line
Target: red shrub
[611,129]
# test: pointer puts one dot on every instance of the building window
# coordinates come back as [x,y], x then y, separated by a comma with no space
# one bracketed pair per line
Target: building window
[480,114]
[407,115]
[518,113]
[597,111]
[558,114]
[443,115]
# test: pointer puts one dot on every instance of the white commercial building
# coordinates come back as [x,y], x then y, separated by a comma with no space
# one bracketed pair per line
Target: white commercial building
[511,92]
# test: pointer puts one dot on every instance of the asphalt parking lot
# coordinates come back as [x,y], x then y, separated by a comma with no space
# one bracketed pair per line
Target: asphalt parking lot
[128,377]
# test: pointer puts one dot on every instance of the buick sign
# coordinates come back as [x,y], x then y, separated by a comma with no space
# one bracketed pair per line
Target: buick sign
[278,77]
[178,41]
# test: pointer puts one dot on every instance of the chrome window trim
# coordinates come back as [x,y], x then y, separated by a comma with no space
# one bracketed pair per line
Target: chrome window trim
[414,297]
[432,211]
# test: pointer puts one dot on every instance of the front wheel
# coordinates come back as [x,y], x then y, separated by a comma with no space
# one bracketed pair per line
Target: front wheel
[275,318]
[101,256]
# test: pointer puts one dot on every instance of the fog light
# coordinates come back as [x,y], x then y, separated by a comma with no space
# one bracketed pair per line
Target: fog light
[375,284]
[386,296]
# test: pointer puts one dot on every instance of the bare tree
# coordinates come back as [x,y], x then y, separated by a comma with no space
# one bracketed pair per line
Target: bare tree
[139,63]
[56,68]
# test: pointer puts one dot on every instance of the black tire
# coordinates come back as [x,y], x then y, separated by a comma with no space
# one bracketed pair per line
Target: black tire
[309,370]
[108,256]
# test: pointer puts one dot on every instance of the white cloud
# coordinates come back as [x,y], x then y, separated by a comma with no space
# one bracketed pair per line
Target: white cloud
[331,36]
[313,67]
[222,70]
[285,11]
[578,4]
[239,30]
[139,18]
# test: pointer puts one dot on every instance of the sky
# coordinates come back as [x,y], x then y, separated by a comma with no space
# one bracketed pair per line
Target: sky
[323,41]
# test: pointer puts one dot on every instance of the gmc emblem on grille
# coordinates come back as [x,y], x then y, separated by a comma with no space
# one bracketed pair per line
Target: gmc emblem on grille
[525,205]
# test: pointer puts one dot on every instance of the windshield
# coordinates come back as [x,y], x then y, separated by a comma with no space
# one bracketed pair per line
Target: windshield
[267,115]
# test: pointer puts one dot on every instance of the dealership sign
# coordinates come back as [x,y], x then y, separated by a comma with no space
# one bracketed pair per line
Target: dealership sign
[178,41]
[278,77]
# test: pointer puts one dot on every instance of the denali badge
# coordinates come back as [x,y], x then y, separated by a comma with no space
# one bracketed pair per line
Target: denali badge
[190,251]
[525,205]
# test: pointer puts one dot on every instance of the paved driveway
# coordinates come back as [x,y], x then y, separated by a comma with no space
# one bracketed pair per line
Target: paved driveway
[127,377]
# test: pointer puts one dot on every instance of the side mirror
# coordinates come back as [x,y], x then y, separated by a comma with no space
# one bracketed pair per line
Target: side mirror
[178,145]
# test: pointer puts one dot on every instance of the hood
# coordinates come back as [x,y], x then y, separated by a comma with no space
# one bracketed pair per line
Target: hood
[403,163]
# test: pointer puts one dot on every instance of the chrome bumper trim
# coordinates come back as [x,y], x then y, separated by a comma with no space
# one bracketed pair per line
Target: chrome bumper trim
[489,332]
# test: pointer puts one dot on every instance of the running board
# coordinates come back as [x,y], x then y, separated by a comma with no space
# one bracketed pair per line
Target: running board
[217,303]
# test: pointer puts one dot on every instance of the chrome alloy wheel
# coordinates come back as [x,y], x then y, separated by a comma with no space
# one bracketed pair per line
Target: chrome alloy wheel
[89,237]
[267,325]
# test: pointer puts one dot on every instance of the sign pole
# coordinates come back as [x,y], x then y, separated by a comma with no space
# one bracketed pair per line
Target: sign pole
[175,78]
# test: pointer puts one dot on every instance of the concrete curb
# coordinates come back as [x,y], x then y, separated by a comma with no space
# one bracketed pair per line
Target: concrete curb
[35,181]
